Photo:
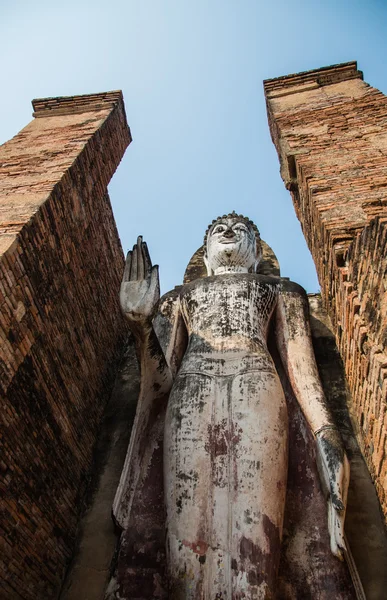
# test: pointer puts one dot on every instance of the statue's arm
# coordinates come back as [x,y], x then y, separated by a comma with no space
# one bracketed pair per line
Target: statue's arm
[139,298]
[296,350]
[171,330]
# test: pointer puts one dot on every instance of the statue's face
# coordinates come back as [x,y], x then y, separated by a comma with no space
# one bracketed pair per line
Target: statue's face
[231,246]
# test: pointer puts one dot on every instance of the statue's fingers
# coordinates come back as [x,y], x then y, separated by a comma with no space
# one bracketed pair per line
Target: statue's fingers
[140,259]
[336,532]
[128,263]
[335,492]
[339,534]
[337,503]
[332,529]
[147,260]
[154,288]
[133,271]
[339,485]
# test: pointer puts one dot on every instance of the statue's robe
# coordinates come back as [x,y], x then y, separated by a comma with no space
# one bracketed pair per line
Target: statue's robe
[308,570]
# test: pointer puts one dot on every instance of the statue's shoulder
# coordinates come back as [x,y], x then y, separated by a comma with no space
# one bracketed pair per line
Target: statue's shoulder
[272,280]
[290,287]
[169,301]
[165,317]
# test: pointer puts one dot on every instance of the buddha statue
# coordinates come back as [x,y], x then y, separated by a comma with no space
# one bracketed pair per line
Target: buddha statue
[225,418]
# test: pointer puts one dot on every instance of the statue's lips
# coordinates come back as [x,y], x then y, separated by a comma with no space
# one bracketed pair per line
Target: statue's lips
[234,241]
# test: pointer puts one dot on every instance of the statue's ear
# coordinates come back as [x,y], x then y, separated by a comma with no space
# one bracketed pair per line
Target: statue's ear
[205,260]
[258,258]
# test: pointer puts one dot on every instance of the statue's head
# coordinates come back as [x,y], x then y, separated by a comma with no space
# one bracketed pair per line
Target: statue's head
[232,244]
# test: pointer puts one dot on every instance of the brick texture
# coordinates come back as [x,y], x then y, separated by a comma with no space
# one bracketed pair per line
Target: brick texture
[61,330]
[330,131]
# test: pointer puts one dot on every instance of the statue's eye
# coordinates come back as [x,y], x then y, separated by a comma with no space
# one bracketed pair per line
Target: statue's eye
[219,229]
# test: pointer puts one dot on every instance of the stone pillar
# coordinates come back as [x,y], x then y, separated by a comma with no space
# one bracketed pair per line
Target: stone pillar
[61,330]
[330,131]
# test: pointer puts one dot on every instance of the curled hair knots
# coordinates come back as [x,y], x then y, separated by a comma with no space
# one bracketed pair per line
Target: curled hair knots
[237,217]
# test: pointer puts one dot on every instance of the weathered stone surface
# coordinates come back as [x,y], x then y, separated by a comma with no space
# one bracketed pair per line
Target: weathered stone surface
[89,572]
[330,131]
[61,329]
[364,526]
[223,435]
[305,567]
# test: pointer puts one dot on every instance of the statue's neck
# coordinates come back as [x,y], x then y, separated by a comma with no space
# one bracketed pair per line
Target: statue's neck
[224,269]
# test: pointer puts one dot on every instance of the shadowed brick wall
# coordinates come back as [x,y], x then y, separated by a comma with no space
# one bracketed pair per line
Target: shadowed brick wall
[330,131]
[61,331]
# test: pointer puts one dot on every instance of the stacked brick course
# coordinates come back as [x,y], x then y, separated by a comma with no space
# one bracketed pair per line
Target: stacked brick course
[61,331]
[330,131]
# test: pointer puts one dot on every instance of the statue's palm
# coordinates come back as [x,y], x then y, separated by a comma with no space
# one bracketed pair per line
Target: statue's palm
[140,288]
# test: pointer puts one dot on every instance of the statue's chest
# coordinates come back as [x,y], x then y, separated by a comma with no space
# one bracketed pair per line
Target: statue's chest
[233,303]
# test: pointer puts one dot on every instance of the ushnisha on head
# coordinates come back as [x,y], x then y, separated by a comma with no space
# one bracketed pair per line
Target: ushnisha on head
[232,244]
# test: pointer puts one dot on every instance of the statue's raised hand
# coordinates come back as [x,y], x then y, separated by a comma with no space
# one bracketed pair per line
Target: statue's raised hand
[140,288]
[334,474]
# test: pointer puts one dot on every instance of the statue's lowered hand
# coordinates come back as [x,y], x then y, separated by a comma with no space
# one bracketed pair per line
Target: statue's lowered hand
[140,287]
[333,468]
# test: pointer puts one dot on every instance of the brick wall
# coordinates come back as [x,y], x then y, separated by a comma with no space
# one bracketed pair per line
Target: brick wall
[61,331]
[330,131]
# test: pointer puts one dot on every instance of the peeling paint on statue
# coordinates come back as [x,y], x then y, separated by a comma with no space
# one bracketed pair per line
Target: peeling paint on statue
[226,425]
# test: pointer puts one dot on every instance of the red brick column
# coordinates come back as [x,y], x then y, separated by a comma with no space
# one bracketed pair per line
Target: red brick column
[330,131]
[61,331]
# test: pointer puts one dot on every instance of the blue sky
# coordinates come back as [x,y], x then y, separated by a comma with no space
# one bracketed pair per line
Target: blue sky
[191,73]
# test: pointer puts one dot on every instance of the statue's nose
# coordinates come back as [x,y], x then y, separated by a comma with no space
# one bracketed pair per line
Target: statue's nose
[228,233]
